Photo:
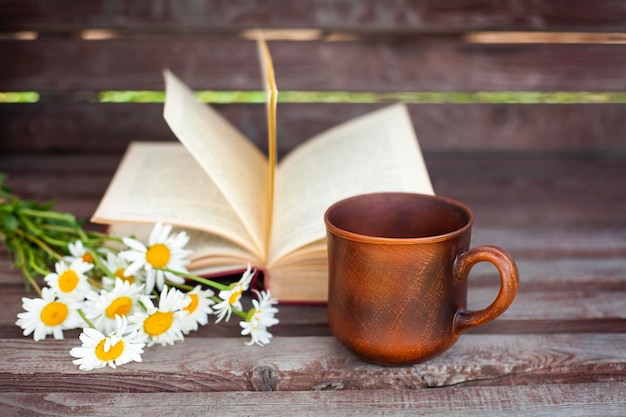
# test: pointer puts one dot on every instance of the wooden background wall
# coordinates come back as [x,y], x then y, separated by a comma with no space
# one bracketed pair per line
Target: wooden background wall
[82,48]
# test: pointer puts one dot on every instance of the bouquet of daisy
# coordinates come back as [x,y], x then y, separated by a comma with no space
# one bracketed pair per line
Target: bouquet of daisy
[124,294]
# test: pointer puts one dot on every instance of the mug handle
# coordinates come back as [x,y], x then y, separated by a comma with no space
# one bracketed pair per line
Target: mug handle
[509,280]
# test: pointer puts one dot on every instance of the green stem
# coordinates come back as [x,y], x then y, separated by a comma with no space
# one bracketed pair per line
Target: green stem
[103,236]
[52,241]
[39,243]
[33,263]
[82,234]
[89,323]
[88,237]
[95,283]
[239,313]
[58,228]
[29,225]
[180,286]
[29,278]
[198,279]
[98,262]
[66,217]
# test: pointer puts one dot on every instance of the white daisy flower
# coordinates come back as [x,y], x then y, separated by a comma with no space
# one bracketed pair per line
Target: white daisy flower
[264,309]
[48,315]
[198,308]
[163,251]
[232,297]
[103,308]
[70,280]
[78,251]
[258,334]
[117,266]
[260,318]
[162,325]
[114,350]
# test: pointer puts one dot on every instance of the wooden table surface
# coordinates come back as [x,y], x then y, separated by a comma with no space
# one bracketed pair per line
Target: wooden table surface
[559,350]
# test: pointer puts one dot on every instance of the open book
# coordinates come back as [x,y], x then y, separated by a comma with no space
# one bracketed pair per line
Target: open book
[240,206]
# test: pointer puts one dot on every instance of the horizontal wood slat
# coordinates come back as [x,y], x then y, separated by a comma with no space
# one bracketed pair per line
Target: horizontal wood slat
[527,195]
[362,16]
[605,272]
[561,293]
[573,309]
[316,363]
[571,400]
[404,63]
[109,127]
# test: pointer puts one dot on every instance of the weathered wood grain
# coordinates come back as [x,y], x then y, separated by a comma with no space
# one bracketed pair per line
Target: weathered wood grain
[572,196]
[558,243]
[571,308]
[571,400]
[565,288]
[570,305]
[364,16]
[109,127]
[316,363]
[402,63]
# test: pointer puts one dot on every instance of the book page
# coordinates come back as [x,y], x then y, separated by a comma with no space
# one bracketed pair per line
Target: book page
[304,280]
[271,94]
[163,182]
[376,152]
[236,166]
[207,248]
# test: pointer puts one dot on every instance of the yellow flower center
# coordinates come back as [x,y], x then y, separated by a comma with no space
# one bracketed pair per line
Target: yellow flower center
[113,353]
[120,306]
[54,313]
[193,304]
[120,274]
[87,257]
[68,280]
[158,323]
[158,255]
[234,297]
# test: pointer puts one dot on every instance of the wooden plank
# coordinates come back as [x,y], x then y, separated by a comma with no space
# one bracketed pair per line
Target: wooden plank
[551,313]
[571,400]
[556,243]
[534,192]
[574,198]
[562,294]
[525,215]
[548,273]
[584,311]
[109,127]
[368,16]
[553,272]
[570,303]
[539,308]
[403,63]
[313,363]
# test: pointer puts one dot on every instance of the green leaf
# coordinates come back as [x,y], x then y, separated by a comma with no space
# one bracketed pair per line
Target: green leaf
[11,222]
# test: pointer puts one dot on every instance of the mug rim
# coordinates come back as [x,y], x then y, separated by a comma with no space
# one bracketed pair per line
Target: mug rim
[332,228]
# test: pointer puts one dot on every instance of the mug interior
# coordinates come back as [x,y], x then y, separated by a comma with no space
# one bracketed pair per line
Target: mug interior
[398,215]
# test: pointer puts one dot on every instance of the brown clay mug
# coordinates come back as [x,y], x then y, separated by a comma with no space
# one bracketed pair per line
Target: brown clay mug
[398,264]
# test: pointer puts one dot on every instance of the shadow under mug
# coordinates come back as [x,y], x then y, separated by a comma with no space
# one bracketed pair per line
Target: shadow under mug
[398,264]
